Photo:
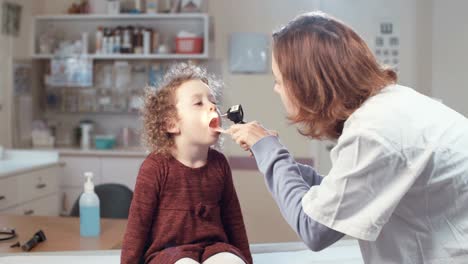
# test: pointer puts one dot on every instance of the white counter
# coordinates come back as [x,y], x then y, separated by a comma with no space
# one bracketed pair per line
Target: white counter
[130,152]
[21,161]
[344,251]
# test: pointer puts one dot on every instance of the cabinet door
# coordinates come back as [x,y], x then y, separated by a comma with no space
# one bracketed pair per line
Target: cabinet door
[45,206]
[8,192]
[38,183]
[11,211]
[76,166]
[121,170]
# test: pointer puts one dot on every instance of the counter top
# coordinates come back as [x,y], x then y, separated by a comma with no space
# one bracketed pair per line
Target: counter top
[9,168]
[22,161]
[63,233]
[118,152]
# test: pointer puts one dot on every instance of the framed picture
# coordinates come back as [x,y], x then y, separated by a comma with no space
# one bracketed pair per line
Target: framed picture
[190,6]
[11,18]
[249,53]
[22,81]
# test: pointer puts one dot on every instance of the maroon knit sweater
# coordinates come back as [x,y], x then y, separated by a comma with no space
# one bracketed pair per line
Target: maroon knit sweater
[178,212]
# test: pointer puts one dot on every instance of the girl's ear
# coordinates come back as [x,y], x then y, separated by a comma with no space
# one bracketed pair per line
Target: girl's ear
[173,127]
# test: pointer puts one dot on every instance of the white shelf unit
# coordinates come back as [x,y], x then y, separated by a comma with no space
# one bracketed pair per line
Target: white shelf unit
[168,25]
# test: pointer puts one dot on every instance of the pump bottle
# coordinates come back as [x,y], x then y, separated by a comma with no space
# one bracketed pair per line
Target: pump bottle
[89,209]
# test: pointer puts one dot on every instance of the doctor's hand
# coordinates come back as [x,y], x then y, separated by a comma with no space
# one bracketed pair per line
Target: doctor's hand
[246,135]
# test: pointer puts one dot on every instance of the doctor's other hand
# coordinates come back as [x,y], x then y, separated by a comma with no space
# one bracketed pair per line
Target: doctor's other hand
[246,135]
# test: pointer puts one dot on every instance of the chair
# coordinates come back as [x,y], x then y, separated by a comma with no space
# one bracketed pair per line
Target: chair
[114,201]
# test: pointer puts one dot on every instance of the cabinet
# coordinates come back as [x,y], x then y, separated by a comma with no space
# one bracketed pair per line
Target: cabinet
[70,27]
[110,93]
[31,193]
[48,205]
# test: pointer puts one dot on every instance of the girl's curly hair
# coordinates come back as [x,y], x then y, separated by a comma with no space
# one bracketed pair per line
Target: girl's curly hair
[159,110]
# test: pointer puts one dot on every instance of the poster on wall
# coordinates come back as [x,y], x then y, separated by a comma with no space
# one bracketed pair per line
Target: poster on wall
[22,78]
[11,18]
[248,53]
[387,44]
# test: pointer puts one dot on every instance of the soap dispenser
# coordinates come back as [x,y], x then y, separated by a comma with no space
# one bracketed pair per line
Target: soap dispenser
[89,209]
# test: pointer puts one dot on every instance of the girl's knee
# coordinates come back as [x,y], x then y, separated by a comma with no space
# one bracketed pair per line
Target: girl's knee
[224,257]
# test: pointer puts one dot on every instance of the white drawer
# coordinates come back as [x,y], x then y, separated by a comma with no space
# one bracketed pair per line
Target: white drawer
[38,183]
[8,192]
[45,206]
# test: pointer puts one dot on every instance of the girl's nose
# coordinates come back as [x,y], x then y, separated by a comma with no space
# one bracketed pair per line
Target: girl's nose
[212,107]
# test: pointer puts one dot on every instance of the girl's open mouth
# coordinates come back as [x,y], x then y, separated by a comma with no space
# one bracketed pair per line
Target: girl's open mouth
[214,123]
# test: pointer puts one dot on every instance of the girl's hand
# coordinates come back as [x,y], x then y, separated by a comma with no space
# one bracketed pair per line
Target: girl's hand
[246,135]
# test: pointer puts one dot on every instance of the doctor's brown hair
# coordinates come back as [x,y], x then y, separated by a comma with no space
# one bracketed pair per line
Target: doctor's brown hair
[328,72]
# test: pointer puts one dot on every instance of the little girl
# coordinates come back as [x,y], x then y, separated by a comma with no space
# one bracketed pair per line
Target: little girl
[185,208]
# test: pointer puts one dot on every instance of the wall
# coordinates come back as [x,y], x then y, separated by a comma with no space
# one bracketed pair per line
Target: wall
[411,20]
[450,42]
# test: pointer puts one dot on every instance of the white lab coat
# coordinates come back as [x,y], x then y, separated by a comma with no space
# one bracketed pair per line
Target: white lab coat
[399,180]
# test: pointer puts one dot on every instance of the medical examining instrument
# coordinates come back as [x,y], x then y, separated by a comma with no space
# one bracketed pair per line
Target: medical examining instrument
[38,237]
[7,233]
[235,113]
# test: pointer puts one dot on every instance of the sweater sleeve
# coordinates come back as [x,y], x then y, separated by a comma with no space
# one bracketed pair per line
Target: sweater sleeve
[141,212]
[231,215]
[288,182]
[309,175]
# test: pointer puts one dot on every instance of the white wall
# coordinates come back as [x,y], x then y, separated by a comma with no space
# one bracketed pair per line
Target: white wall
[410,18]
[255,92]
[450,54]
[13,48]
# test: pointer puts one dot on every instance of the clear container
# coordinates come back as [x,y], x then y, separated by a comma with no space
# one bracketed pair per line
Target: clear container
[135,102]
[119,102]
[53,100]
[71,101]
[122,80]
[87,100]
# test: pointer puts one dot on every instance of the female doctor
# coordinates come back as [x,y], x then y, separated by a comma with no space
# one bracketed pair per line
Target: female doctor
[399,180]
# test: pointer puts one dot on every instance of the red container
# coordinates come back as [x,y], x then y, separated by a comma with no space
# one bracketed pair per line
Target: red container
[189,45]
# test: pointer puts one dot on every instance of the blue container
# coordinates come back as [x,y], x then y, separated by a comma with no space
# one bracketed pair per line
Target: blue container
[89,221]
[104,142]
